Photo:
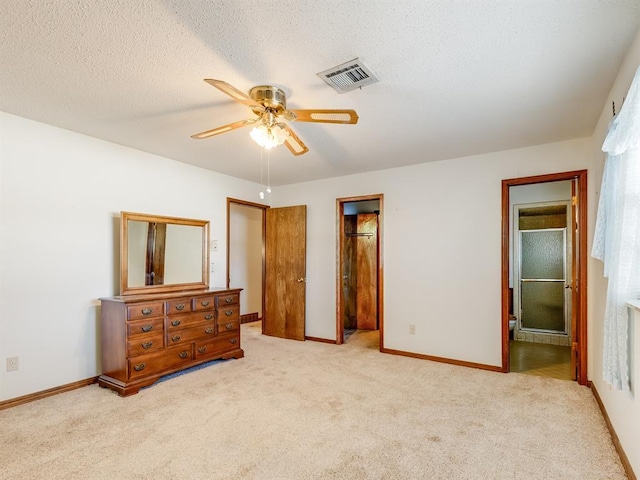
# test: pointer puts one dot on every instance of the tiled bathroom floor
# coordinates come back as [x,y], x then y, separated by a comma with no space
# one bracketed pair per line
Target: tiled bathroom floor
[540,359]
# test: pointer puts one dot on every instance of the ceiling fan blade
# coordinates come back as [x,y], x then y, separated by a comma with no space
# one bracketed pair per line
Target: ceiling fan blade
[234,93]
[293,143]
[224,129]
[322,116]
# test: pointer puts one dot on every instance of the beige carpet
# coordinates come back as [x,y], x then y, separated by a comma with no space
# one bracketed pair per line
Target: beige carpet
[308,410]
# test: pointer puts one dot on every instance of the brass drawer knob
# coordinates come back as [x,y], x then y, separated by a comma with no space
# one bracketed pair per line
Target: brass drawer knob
[184,354]
[208,316]
[147,328]
[205,303]
[139,367]
[180,306]
[146,311]
[228,313]
[209,330]
[146,345]
[175,338]
[228,326]
[233,340]
[175,323]
[202,349]
[229,300]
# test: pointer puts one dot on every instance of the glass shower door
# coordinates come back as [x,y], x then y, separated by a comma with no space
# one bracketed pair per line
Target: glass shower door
[543,280]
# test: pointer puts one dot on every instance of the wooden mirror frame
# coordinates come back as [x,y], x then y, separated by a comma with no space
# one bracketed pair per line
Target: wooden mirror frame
[126,289]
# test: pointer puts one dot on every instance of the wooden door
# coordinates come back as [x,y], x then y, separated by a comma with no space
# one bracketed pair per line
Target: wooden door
[367,272]
[349,271]
[575,304]
[285,244]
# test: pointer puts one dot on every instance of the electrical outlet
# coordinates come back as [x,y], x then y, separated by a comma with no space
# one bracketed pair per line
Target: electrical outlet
[412,329]
[12,364]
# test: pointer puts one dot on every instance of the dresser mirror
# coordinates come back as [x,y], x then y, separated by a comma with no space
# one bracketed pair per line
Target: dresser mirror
[162,254]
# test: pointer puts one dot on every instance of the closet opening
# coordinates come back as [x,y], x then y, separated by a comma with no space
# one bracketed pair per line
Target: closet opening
[359,285]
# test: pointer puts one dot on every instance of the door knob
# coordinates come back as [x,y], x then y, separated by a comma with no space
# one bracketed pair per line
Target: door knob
[300,280]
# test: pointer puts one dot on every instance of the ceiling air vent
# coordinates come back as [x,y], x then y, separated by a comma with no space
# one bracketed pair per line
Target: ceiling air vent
[348,76]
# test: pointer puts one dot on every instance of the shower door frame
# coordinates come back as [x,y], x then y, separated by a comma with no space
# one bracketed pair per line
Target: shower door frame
[566,268]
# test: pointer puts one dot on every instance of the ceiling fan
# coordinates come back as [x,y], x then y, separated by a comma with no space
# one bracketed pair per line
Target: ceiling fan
[270,105]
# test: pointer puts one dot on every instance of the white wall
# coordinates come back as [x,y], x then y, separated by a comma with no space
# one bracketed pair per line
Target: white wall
[623,408]
[441,247]
[61,194]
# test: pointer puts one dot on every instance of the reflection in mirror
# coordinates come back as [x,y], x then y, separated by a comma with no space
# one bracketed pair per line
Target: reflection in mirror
[163,253]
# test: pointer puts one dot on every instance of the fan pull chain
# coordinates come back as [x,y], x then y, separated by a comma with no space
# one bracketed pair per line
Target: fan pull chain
[268,171]
[261,174]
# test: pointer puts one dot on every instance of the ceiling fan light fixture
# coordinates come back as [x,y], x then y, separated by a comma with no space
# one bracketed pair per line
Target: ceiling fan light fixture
[269,136]
[269,103]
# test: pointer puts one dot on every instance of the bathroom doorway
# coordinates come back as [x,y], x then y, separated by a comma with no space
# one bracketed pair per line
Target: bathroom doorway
[544,275]
[540,342]
[359,271]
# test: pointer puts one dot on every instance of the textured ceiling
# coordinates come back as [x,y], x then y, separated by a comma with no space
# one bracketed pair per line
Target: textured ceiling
[456,77]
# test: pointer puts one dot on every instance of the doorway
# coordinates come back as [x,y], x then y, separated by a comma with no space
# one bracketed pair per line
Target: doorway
[245,256]
[544,322]
[359,282]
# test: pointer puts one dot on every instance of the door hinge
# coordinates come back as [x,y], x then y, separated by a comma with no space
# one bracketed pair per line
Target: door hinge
[574,200]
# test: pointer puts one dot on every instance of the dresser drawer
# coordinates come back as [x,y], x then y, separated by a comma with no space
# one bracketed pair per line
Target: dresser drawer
[217,346]
[228,313]
[181,305]
[204,303]
[232,299]
[190,334]
[138,344]
[189,320]
[228,326]
[141,327]
[157,362]
[145,310]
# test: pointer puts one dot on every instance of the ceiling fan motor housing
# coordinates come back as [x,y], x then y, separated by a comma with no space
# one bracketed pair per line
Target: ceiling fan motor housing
[272,98]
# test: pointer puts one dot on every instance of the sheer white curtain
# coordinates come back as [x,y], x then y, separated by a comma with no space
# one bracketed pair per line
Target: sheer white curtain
[617,235]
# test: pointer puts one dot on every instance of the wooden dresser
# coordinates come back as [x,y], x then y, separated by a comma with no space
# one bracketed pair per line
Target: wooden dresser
[147,336]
